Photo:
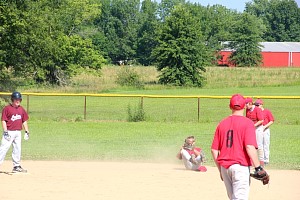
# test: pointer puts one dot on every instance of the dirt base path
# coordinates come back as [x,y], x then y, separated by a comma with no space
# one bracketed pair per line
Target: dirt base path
[58,180]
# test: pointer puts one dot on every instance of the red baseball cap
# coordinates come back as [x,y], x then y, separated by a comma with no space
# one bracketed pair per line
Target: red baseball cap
[258,102]
[248,100]
[237,102]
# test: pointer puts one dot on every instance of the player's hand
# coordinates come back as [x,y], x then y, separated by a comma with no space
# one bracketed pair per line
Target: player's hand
[26,135]
[6,135]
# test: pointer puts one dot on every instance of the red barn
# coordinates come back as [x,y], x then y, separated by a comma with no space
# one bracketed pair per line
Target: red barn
[274,54]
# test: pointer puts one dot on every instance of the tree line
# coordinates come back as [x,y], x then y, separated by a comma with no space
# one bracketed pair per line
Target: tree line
[49,41]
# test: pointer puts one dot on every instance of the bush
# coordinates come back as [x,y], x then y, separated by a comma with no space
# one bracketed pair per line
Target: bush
[136,115]
[128,77]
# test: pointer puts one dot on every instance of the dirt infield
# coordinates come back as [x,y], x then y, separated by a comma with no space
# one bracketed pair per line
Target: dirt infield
[58,180]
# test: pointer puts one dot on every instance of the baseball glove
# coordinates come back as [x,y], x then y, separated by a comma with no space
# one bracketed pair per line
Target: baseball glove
[261,175]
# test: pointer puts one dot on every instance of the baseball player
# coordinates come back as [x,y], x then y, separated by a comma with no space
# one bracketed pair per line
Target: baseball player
[256,115]
[14,117]
[193,157]
[234,150]
[268,121]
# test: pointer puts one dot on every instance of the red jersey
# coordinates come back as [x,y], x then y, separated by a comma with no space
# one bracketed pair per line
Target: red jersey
[192,152]
[267,116]
[14,117]
[232,136]
[255,114]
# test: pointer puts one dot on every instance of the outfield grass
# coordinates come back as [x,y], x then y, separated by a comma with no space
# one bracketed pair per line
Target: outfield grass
[71,108]
[142,142]
[58,131]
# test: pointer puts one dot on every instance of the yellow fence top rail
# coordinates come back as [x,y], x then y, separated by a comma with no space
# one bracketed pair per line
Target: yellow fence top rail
[147,96]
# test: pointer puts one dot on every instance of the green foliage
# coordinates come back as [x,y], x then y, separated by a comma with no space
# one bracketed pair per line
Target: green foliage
[281,17]
[146,32]
[166,6]
[51,41]
[146,140]
[216,24]
[136,114]
[248,31]
[129,77]
[119,24]
[39,39]
[181,53]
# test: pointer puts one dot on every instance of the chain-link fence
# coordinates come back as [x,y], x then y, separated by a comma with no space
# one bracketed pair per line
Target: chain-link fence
[114,107]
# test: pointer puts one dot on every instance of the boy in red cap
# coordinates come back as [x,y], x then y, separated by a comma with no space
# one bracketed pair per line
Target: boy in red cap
[256,115]
[268,121]
[234,150]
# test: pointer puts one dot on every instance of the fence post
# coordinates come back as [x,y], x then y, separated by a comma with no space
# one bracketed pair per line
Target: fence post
[28,103]
[84,109]
[142,102]
[198,109]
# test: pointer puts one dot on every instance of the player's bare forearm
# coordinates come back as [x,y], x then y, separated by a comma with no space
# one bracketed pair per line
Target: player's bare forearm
[215,154]
[258,123]
[252,153]
[4,126]
[268,124]
[179,156]
[25,125]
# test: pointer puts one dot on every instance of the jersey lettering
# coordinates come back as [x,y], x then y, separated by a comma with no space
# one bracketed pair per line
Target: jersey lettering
[15,117]
[229,140]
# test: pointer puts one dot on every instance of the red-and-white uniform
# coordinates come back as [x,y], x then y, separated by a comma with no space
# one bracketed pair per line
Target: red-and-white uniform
[231,137]
[256,114]
[14,118]
[186,155]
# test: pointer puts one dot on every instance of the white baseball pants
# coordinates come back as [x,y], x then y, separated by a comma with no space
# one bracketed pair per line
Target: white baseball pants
[266,145]
[260,138]
[186,160]
[237,181]
[15,140]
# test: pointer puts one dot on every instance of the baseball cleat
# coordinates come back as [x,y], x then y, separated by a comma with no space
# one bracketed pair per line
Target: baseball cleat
[202,169]
[19,169]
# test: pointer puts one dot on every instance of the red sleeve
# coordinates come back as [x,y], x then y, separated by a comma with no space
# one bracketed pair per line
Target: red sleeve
[197,149]
[215,144]
[271,118]
[250,136]
[25,116]
[4,115]
[259,114]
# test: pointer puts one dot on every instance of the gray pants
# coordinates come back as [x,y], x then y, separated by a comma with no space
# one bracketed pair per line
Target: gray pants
[15,140]
[237,181]
[186,161]
[260,138]
[266,143]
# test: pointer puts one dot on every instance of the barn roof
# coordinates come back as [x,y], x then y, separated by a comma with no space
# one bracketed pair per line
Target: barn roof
[274,46]
[280,46]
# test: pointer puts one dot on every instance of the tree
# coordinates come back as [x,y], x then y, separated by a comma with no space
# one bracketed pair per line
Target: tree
[281,17]
[146,32]
[118,24]
[166,6]
[38,42]
[216,26]
[181,52]
[248,31]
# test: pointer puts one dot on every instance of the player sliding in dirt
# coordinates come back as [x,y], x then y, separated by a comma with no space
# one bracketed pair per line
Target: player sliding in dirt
[193,157]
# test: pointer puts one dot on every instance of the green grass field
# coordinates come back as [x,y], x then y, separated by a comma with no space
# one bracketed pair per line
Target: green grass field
[58,131]
[142,142]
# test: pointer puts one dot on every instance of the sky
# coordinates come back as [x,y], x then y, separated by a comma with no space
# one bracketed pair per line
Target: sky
[238,5]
